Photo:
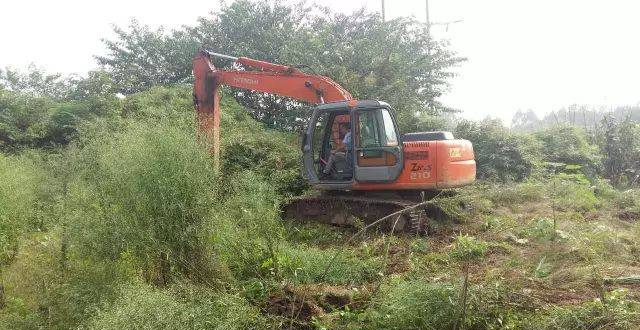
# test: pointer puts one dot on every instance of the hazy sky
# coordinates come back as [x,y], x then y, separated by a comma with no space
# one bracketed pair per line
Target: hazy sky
[526,54]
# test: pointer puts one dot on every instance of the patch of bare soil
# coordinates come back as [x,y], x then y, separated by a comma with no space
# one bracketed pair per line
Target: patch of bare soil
[288,305]
[300,304]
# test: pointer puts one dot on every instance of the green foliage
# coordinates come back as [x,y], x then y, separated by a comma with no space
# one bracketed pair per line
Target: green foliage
[569,145]
[23,119]
[619,142]
[160,102]
[63,289]
[617,313]
[572,192]
[19,195]
[148,190]
[247,145]
[313,265]
[468,248]
[500,155]
[141,58]
[414,305]
[143,307]
[419,305]
[36,82]
[515,194]
[394,61]
[33,120]
[248,233]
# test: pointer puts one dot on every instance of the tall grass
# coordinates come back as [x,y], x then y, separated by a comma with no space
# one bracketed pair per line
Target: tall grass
[19,192]
[143,307]
[147,190]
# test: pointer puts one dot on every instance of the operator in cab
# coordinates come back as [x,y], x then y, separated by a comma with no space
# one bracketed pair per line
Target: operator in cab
[341,151]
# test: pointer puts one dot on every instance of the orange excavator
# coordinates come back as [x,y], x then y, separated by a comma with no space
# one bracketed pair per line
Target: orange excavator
[378,171]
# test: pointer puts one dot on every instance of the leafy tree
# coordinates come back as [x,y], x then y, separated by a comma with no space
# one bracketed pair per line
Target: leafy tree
[41,110]
[23,119]
[620,145]
[394,61]
[499,154]
[35,81]
[141,57]
[569,145]
[525,121]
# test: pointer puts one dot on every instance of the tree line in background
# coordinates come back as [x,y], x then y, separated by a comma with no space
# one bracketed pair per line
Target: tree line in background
[587,117]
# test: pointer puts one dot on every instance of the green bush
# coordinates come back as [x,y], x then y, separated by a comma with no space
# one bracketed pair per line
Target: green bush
[19,194]
[248,145]
[142,307]
[515,194]
[48,288]
[406,305]
[248,232]
[148,190]
[569,145]
[500,155]
[468,248]
[159,102]
[573,194]
[308,265]
[617,313]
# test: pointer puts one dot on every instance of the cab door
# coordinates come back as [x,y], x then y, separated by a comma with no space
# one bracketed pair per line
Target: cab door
[377,147]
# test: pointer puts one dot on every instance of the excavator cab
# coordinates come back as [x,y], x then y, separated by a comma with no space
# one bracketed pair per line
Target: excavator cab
[375,154]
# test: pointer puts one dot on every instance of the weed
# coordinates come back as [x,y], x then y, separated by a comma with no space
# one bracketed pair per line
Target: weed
[143,307]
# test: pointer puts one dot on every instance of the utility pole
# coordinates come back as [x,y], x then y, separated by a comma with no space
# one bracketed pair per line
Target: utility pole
[383,10]
[427,16]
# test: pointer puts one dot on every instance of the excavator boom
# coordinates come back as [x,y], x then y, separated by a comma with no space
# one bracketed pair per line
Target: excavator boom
[266,77]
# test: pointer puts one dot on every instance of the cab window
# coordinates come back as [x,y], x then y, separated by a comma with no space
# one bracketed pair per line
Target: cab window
[368,128]
[389,129]
[376,129]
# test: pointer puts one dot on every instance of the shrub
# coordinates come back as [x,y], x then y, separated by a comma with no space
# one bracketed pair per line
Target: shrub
[500,155]
[143,307]
[248,232]
[308,265]
[572,192]
[418,305]
[159,102]
[468,248]
[19,193]
[248,145]
[48,290]
[569,145]
[147,190]
[514,194]
[616,313]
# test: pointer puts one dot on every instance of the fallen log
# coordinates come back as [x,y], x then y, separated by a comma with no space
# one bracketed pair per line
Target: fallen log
[633,279]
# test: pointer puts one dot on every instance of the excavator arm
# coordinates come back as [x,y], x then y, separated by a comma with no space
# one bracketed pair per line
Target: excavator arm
[265,77]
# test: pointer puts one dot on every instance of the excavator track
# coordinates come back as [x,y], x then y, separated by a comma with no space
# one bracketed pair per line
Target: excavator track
[358,211]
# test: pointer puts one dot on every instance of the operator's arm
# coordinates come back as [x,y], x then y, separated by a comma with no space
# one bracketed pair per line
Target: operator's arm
[340,148]
[345,145]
